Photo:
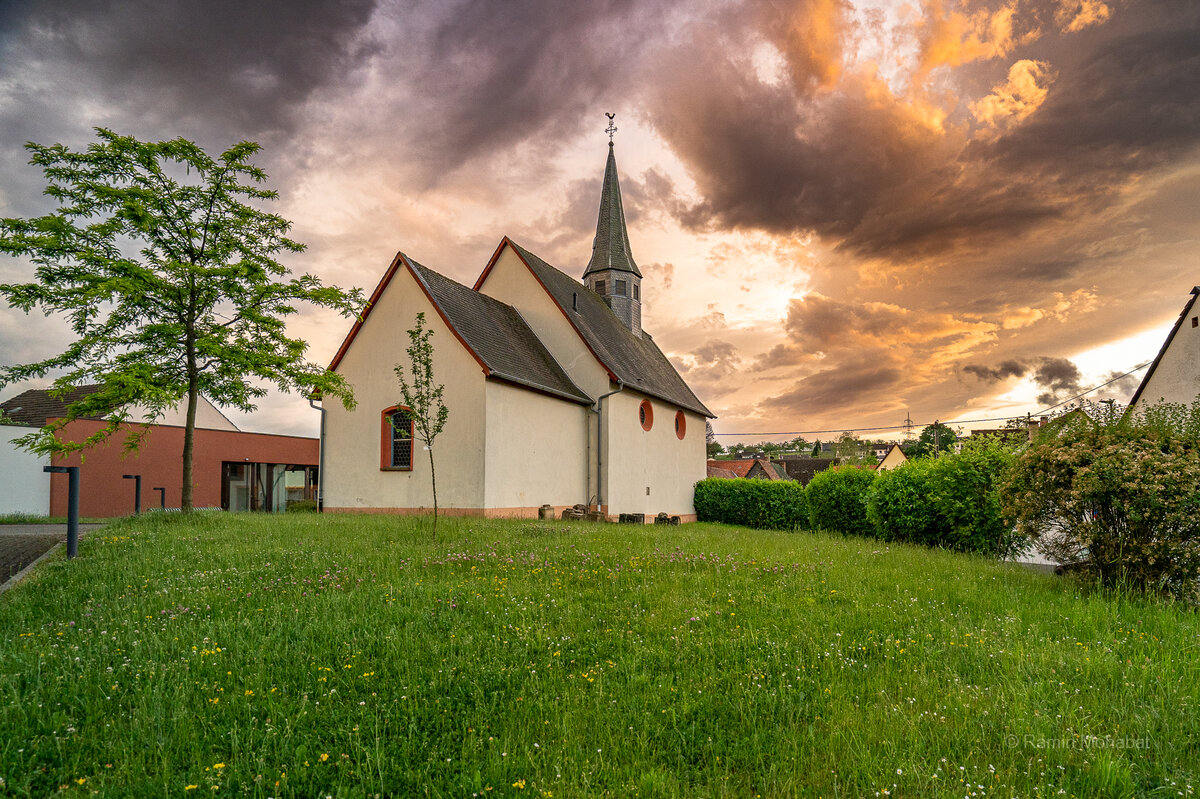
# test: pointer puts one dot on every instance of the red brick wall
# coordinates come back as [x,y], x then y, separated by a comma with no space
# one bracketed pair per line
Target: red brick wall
[159,459]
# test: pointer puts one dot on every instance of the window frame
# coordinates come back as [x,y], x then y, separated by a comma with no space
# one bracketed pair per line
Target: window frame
[598,287]
[387,438]
[620,288]
[680,425]
[646,415]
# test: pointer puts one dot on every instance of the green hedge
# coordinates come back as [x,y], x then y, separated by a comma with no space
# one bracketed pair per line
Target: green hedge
[776,505]
[951,502]
[837,500]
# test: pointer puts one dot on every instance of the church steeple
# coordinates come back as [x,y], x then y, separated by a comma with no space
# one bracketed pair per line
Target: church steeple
[612,272]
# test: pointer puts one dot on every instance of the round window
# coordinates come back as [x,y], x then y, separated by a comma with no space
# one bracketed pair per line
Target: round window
[680,425]
[646,415]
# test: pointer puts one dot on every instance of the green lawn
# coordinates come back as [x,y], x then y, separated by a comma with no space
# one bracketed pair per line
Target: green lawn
[301,655]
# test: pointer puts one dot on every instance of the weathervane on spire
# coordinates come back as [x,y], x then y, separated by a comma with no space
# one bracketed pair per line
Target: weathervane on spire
[611,129]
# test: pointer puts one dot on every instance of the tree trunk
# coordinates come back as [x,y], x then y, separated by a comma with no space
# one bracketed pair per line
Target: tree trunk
[189,427]
[433,477]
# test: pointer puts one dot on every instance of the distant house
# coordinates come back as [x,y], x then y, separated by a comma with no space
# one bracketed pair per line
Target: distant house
[766,470]
[717,471]
[740,467]
[1174,375]
[232,469]
[802,469]
[893,458]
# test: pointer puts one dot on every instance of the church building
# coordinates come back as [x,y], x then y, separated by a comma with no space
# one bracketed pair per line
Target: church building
[556,395]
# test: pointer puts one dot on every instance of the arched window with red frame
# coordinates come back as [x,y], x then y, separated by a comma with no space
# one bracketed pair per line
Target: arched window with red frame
[396,439]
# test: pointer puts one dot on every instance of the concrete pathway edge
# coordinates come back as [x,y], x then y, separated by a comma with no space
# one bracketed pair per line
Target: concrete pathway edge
[21,575]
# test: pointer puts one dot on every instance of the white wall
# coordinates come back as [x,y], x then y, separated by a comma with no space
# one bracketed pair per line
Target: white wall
[1176,379]
[208,417]
[24,487]
[536,449]
[656,459]
[353,478]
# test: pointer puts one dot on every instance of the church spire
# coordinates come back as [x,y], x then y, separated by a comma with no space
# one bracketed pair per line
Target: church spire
[611,272]
[610,249]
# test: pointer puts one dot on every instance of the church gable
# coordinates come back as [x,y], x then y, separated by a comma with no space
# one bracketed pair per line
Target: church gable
[634,360]
[492,332]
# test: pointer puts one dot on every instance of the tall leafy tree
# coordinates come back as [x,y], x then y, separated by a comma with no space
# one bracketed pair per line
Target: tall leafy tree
[422,395]
[164,263]
[936,439]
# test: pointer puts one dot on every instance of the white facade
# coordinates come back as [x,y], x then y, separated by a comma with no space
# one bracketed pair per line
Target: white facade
[1175,374]
[24,487]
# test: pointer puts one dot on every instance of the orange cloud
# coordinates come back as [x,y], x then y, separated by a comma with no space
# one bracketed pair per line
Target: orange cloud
[1075,15]
[953,37]
[811,37]
[1011,103]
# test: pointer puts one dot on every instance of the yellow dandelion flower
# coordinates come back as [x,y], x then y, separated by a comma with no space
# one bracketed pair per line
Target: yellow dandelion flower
[324,757]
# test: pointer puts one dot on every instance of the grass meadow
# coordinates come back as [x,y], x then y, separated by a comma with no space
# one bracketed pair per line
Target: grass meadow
[305,655]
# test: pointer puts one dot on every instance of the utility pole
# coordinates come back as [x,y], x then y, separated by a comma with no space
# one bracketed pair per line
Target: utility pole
[937,439]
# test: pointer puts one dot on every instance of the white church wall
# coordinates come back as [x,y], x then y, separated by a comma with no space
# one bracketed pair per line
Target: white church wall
[651,471]
[536,448]
[353,477]
[26,488]
[511,282]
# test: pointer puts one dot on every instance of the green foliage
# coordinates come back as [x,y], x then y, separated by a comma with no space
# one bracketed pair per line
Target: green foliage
[422,395]
[777,505]
[1117,495]
[837,500]
[302,506]
[169,278]
[697,659]
[951,502]
[935,439]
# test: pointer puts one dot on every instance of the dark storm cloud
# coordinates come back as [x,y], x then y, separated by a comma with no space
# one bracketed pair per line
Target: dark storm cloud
[860,167]
[492,76]
[999,372]
[853,383]
[1057,377]
[218,71]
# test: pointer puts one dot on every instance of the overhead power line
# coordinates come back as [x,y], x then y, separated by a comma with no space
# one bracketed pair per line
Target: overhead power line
[909,423]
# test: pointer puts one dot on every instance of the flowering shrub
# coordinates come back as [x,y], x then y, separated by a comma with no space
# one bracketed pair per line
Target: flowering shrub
[837,500]
[753,503]
[951,502]
[1117,496]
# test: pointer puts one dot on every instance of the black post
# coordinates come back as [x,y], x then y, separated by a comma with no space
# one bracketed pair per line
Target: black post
[162,496]
[137,491]
[72,473]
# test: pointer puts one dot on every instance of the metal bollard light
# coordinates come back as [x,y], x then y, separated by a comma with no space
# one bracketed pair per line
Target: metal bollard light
[72,473]
[137,491]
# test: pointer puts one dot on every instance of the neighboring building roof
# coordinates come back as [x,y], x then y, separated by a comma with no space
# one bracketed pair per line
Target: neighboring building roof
[803,469]
[738,467]
[1166,345]
[36,406]
[716,471]
[493,332]
[765,470]
[610,248]
[636,361]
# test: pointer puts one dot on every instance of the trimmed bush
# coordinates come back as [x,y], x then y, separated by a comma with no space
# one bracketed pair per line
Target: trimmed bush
[951,502]
[768,504]
[837,500]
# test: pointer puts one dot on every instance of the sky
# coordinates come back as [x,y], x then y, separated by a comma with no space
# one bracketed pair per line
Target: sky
[847,212]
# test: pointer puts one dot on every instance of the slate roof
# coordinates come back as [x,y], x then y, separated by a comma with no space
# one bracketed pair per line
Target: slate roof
[610,248]
[634,360]
[498,336]
[36,406]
